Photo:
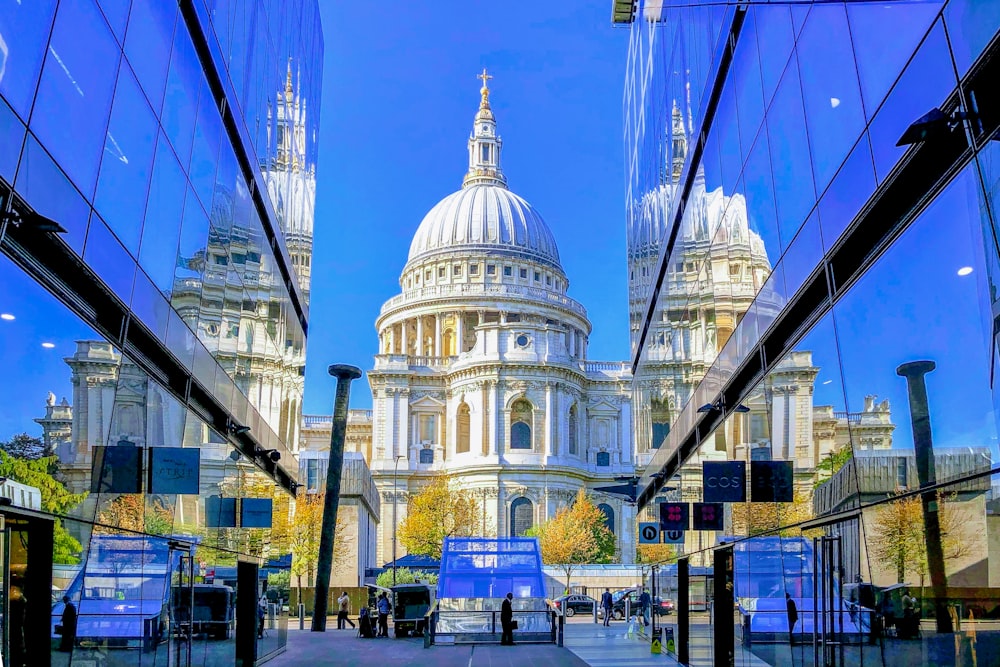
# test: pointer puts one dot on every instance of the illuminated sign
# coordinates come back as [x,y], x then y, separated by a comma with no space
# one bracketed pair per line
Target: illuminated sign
[673,516]
[724,481]
[709,516]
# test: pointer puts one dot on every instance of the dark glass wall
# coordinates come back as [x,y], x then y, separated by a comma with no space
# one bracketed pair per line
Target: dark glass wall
[153,299]
[804,262]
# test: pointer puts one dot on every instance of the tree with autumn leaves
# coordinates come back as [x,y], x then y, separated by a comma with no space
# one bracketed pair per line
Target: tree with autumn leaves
[897,536]
[440,510]
[576,535]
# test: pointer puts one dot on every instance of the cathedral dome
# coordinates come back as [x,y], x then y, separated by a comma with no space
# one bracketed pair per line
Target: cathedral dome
[485,217]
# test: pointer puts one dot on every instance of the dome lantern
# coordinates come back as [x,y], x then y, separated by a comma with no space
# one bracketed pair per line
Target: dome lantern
[484,144]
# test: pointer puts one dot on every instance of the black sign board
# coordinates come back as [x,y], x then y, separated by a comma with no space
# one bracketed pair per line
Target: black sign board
[724,481]
[673,516]
[771,481]
[709,516]
[174,470]
[220,512]
[116,469]
[255,513]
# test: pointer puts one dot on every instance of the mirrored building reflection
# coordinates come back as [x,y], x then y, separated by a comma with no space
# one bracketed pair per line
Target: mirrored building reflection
[157,186]
[812,265]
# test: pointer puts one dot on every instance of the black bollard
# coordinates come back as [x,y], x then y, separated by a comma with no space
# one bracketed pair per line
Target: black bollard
[923,446]
[344,374]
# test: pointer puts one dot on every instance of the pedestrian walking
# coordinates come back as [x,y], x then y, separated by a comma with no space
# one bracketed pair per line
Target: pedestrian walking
[607,604]
[507,621]
[384,607]
[344,611]
[793,615]
[67,628]
[644,605]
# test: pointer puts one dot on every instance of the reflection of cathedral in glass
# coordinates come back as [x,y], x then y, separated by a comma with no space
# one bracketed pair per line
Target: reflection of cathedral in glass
[291,177]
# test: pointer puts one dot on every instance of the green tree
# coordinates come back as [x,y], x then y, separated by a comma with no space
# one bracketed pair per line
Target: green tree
[405,575]
[576,535]
[831,463]
[56,499]
[24,446]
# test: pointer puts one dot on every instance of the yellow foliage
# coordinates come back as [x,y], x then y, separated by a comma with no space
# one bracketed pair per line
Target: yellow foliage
[437,512]
[576,535]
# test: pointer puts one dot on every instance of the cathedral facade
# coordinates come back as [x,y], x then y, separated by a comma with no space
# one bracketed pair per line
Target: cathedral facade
[482,371]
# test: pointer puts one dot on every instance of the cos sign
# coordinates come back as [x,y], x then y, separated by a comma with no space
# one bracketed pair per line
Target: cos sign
[724,481]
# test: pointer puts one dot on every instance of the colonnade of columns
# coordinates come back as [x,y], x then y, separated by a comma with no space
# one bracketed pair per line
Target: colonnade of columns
[413,336]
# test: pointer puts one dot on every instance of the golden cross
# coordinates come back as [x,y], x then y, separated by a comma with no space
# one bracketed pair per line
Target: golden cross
[484,76]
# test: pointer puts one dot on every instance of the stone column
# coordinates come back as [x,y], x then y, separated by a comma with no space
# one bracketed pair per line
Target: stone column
[438,352]
[391,332]
[487,417]
[420,336]
[628,440]
[547,443]
[495,415]
[402,338]
[460,332]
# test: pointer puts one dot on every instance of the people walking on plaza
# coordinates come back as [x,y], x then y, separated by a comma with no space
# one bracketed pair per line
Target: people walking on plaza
[909,625]
[606,604]
[384,607]
[68,629]
[343,612]
[644,605]
[793,615]
[507,621]
[261,613]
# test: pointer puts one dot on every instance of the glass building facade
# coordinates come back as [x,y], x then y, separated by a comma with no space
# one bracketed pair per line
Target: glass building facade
[813,264]
[157,183]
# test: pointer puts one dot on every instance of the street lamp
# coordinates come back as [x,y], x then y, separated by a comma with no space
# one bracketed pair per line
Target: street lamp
[395,466]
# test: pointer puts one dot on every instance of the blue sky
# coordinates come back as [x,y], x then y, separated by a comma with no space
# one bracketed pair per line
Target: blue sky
[399,95]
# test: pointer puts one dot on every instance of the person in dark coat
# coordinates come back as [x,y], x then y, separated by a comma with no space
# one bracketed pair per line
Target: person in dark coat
[507,621]
[793,615]
[606,604]
[68,626]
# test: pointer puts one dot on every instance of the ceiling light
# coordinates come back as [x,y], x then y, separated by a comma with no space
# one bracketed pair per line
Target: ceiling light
[6,316]
[965,270]
[48,346]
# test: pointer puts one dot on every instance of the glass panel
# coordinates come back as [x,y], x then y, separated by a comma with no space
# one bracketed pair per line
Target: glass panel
[908,316]
[830,89]
[45,187]
[109,259]
[881,54]
[128,157]
[24,33]
[74,97]
[147,45]
[924,85]
[180,106]
[971,26]
[162,225]
[774,39]
[853,185]
[12,129]
[790,160]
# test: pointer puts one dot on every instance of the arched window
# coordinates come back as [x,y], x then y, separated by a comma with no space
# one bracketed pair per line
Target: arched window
[660,413]
[603,459]
[520,424]
[522,516]
[572,429]
[463,420]
[609,516]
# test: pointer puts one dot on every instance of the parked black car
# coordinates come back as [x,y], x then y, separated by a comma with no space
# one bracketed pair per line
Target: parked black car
[575,604]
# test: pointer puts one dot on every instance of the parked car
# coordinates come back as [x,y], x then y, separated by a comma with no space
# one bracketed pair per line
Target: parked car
[575,604]
[663,607]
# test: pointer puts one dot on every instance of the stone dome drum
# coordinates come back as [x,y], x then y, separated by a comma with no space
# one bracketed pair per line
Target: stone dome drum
[488,218]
